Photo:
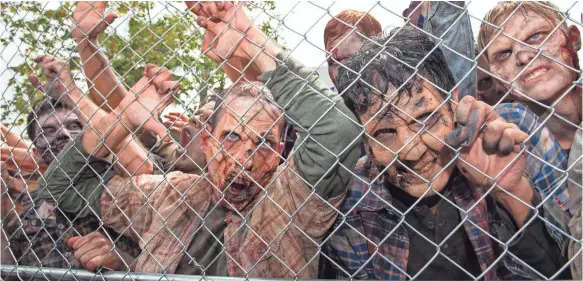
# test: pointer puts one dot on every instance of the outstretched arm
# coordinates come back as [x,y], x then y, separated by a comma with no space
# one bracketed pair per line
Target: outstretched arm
[81,166]
[89,22]
[329,133]
[106,132]
[12,139]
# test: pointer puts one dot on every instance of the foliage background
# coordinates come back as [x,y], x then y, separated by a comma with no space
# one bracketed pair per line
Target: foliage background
[146,32]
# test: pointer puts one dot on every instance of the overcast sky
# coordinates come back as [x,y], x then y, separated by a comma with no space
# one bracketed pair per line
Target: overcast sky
[309,19]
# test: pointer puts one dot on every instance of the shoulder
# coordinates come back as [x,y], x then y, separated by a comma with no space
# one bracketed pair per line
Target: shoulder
[518,114]
[364,175]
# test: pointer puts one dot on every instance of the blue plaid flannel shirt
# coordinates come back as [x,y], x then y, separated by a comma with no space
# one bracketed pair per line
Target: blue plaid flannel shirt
[546,166]
[371,221]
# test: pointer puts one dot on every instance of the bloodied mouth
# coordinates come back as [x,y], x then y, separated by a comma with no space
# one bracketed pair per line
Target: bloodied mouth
[239,190]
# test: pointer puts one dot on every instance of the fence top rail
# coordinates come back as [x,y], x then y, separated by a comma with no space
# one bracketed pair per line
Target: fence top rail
[7,272]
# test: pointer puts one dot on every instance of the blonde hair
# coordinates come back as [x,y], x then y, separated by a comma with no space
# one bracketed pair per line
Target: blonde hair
[502,10]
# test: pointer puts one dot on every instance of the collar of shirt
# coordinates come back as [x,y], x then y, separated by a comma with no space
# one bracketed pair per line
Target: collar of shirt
[386,240]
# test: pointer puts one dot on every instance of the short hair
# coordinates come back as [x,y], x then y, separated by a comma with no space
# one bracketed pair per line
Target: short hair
[40,108]
[391,59]
[346,20]
[255,90]
[502,10]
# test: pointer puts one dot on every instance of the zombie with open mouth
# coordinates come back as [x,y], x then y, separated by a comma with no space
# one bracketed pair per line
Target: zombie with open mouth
[247,214]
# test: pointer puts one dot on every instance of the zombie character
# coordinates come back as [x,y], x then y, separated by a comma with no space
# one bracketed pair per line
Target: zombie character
[428,177]
[247,215]
[539,81]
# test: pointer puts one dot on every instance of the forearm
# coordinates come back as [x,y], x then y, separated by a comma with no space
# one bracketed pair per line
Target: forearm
[12,139]
[99,137]
[21,159]
[132,158]
[104,131]
[104,86]
[112,134]
[236,68]
[261,51]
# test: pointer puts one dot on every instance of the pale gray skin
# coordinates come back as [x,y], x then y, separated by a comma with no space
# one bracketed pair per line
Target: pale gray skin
[53,131]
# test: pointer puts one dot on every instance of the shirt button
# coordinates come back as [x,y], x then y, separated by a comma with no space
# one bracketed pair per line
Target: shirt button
[430,225]
[441,223]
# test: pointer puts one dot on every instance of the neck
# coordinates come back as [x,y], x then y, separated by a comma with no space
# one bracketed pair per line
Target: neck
[568,108]
[408,200]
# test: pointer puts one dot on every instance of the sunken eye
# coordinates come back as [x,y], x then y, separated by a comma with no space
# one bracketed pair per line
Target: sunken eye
[48,131]
[385,131]
[504,54]
[73,126]
[485,84]
[232,136]
[536,37]
[426,120]
[423,117]
[266,144]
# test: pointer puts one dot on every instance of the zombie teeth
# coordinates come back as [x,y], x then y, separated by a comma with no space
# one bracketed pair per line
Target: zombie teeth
[535,74]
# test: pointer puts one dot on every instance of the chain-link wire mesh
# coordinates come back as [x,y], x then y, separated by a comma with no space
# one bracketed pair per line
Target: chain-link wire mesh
[196,140]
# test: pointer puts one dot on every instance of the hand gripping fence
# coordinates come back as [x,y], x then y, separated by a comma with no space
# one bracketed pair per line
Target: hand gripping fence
[138,145]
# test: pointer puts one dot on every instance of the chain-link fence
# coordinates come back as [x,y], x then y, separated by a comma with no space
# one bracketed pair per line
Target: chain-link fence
[422,140]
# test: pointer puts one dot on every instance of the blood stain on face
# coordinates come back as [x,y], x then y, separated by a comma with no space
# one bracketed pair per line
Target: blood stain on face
[543,77]
[391,132]
[53,131]
[243,156]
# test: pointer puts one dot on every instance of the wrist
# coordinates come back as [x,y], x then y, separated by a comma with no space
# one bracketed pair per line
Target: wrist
[256,41]
[260,50]
[518,209]
[73,96]
[82,38]
[123,115]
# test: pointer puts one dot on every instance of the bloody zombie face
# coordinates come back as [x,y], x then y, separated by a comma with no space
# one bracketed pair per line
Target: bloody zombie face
[342,48]
[243,148]
[512,56]
[53,131]
[412,128]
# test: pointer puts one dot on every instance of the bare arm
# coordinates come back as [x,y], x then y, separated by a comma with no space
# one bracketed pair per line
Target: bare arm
[12,139]
[153,94]
[105,88]
[332,141]
[105,132]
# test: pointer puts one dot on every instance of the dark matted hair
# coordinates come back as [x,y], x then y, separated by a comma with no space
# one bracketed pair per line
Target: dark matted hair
[391,59]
